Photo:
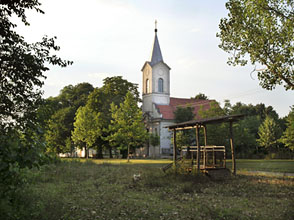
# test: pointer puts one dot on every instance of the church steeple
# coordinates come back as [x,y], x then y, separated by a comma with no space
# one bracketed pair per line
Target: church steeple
[156,56]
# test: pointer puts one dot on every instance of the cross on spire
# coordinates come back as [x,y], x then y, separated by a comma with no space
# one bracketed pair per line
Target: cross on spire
[155,26]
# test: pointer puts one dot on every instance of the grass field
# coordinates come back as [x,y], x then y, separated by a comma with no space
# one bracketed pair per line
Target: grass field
[74,190]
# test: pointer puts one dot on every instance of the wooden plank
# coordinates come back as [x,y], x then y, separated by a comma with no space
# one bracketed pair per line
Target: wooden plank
[205,135]
[232,149]
[198,149]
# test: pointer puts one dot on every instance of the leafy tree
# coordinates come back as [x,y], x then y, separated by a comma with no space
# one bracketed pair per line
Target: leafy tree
[60,110]
[216,134]
[154,139]
[288,136]
[245,134]
[114,90]
[127,127]
[183,114]
[201,96]
[86,127]
[59,130]
[22,67]
[269,133]
[75,96]
[263,31]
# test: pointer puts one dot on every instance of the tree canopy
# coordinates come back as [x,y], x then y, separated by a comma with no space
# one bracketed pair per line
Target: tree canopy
[201,96]
[184,114]
[127,127]
[22,66]
[86,127]
[262,32]
[288,135]
[269,133]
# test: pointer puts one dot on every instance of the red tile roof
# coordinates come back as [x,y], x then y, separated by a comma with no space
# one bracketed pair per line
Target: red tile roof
[167,111]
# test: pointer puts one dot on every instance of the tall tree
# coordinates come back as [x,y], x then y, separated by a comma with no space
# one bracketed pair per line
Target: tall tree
[86,127]
[114,90]
[59,129]
[268,133]
[261,31]
[22,67]
[59,125]
[127,127]
[288,135]
[182,114]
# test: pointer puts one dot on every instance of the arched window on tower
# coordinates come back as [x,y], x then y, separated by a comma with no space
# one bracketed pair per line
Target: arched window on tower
[160,85]
[147,86]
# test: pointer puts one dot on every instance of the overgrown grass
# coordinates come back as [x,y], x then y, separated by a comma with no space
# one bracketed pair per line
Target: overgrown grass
[75,190]
[284,166]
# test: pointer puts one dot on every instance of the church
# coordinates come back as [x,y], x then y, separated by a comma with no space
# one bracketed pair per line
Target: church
[158,106]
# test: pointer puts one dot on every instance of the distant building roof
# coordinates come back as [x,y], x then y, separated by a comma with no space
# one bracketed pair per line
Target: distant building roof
[167,111]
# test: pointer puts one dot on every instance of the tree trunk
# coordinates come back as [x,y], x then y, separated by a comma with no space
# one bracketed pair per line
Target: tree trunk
[99,153]
[86,152]
[110,152]
[128,153]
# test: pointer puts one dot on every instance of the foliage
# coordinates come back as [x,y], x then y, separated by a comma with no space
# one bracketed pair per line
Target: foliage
[184,114]
[245,134]
[184,138]
[154,139]
[114,90]
[216,134]
[201,96]
[263,31]
[59,129]
[22,67]
[127,127]
[288,135]
[57,116]
[86,127]
[269,133]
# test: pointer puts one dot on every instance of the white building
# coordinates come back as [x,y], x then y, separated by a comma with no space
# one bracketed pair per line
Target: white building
[158,107]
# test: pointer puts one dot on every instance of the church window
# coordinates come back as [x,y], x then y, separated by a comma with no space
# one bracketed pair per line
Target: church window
[160,85]
[147,86]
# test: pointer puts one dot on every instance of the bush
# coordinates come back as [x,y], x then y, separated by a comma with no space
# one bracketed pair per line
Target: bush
[19,153]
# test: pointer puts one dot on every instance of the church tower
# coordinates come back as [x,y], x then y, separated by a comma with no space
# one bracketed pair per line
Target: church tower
[156,79]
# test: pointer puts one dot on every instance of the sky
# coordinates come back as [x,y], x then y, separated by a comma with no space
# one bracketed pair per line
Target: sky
[107,38]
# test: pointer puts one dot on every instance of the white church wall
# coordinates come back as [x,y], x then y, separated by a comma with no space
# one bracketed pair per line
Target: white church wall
[165,137]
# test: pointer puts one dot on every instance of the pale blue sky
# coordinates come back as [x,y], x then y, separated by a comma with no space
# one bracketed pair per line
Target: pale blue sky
[114,37]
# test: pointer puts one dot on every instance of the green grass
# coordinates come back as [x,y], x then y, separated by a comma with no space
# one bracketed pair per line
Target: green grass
[283,166]
[75,190]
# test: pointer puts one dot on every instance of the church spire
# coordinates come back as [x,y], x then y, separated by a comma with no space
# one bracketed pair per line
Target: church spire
[156,56]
